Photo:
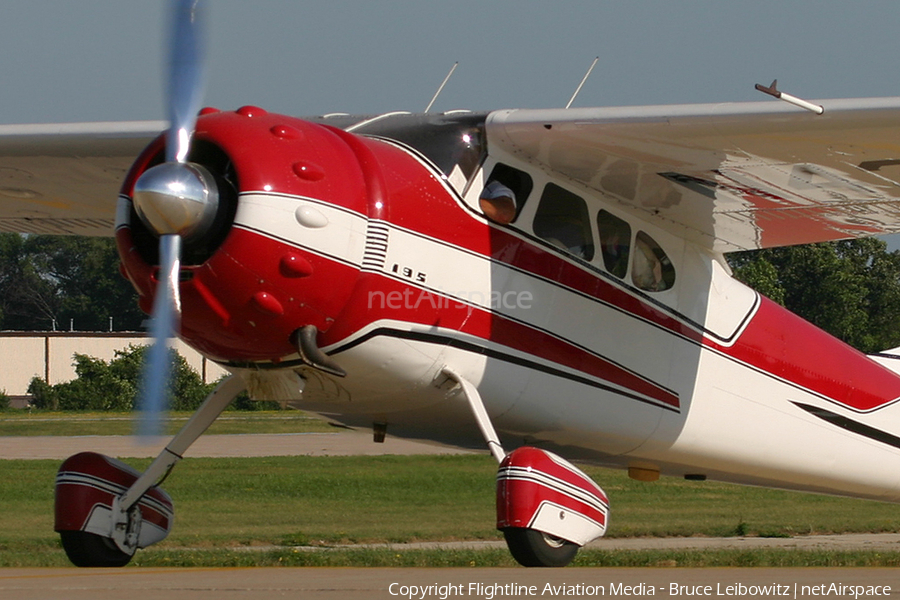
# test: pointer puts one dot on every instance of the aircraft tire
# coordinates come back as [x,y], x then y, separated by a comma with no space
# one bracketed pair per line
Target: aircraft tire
[91,550]
[532,548]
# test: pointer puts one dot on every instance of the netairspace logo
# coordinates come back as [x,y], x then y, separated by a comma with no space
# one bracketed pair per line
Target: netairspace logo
[410,299]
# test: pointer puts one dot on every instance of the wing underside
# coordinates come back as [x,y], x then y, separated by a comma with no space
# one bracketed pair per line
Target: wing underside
[727,176]
[64,179]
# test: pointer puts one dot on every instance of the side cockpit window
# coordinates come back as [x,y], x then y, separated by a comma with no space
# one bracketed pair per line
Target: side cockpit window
[504,194]
[615,243]
[562,219]
[651,269]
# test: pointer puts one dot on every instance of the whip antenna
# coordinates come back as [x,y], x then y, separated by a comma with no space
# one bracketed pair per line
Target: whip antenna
[443,83]
[583,79]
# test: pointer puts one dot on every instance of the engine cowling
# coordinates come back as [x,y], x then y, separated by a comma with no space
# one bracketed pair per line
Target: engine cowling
[292,200]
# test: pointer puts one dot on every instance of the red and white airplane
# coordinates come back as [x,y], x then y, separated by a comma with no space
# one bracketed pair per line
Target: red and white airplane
[549,282]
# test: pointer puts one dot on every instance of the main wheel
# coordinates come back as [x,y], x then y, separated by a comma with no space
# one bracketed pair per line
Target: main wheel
[532,548]
[91,550]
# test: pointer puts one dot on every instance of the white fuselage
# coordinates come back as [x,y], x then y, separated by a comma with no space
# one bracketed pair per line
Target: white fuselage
[570,357]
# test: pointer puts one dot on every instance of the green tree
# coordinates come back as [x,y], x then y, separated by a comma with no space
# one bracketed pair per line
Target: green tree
[46,279]
[27,301]
[850,289]
[43,396]
[114,385]
[97,387]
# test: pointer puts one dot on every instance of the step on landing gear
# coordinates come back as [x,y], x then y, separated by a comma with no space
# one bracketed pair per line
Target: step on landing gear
[546,507]
[105,510]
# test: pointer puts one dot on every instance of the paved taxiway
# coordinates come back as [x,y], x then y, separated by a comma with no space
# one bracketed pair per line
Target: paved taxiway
[350,584]
[341,443]
[880,542]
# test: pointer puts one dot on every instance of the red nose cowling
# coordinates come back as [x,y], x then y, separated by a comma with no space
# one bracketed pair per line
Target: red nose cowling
[243,298]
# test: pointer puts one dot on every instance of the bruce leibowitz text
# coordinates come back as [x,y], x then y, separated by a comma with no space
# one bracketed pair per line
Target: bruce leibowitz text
[490,591]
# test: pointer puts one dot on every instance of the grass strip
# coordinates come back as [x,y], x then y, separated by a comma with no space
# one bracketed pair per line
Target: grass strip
[368,557]
[224,503]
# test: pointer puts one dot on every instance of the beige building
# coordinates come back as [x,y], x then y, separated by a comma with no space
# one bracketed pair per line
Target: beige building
[49,355]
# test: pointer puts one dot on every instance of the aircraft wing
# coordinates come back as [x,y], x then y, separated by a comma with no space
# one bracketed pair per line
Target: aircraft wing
[728,176]
[65,178]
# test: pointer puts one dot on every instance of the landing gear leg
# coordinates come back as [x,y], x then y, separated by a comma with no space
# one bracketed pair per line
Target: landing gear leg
[102,527]
[478,410]
[208,412]
[546,507]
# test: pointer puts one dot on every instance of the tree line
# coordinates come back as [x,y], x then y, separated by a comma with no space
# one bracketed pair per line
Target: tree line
[851,289]
[49,282]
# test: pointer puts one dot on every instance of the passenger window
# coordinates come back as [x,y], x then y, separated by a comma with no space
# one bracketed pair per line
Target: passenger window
[651,269]
[505,193]
[562,219]
[615,242]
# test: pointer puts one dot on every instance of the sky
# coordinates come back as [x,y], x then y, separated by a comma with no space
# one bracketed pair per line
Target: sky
[99,60]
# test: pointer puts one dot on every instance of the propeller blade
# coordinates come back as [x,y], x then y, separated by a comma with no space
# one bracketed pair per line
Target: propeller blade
[173,198]
[164,324]
[186,78]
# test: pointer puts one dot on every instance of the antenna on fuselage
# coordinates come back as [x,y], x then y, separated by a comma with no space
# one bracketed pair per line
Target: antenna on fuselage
[583,79]
[441,88]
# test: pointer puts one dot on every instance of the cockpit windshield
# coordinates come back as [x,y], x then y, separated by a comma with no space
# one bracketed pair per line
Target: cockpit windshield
[453,142]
